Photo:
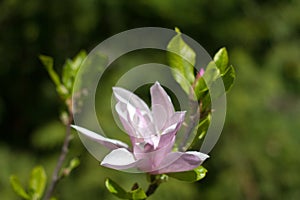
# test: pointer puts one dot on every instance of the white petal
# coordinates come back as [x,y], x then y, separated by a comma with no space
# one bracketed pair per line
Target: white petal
[119,159]
[109,143]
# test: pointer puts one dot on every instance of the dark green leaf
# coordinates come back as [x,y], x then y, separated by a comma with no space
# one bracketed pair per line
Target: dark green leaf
[116,190]
[37,182]
[190,176]
[221,60]
[228,78]
[182,59]
[17,187]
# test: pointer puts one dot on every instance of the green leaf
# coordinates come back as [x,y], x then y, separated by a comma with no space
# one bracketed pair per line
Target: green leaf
[200,88]
[71,68]
[48,63]
[190,176]
[138,194]
[211,74]
[74,163]
[203,126]
[228,78]
[116,190]
[201,129]
[181,58]
[221,60]
[37,182]
[17,187]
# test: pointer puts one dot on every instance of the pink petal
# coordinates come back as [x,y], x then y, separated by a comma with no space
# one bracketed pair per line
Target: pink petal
[160,116]
[174,122]
[128,97]
[180,161]
[172,127]
[160,97]
[109,143]
[154,156]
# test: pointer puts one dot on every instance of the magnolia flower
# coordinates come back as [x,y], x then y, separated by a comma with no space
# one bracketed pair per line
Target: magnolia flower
[152,134]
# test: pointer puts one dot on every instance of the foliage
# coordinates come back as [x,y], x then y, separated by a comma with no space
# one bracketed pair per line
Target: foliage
[36,185]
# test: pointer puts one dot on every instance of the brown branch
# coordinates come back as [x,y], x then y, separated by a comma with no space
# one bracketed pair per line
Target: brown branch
[64,151]
[155,181]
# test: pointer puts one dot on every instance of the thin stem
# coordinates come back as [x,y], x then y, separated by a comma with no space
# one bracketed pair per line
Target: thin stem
[155,181]
[61,159]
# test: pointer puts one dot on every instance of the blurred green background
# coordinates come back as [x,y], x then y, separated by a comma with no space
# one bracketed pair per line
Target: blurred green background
[257,156]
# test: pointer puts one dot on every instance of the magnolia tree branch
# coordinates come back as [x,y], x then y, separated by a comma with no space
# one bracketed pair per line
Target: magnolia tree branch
[155,181]
[64,151]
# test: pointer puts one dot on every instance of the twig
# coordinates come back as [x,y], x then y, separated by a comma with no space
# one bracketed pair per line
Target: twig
[61,159]
[155,182]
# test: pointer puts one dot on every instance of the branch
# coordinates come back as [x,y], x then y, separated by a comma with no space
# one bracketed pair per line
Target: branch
[61,159]
[155,181]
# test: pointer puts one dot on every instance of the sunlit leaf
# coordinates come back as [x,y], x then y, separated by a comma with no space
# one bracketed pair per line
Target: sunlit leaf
[229,77]
[37,182]
[17,187]
[182,59]
[221,60]
[138,194]
[190,176]
[212,73]
[116,190]
[71,68]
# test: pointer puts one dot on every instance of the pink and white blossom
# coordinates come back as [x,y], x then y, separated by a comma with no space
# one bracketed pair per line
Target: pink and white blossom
[152,133]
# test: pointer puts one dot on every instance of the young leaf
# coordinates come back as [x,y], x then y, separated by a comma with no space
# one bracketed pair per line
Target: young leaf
[138,194]
[228,78]
[75,162]
[212,73]
[116,190]
[17,187]
[182,59]
[221,60]
[48,63]
[71,68]
[203,126]
[190,176]
[37,182]
[200,88]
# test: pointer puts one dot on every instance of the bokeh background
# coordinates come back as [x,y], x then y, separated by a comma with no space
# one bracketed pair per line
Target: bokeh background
[257,156]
